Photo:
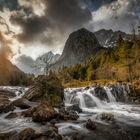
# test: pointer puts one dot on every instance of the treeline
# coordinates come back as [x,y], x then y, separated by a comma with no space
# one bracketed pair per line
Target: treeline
[119,63]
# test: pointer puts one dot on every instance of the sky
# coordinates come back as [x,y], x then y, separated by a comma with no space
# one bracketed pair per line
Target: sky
[34,27]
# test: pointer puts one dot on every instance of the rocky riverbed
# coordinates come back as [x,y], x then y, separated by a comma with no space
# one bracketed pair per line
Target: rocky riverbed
[46,111]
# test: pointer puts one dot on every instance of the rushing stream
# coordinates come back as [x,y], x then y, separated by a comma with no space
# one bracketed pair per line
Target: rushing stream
[92,104]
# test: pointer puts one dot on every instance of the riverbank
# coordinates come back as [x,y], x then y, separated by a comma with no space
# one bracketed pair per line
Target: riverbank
[47,111]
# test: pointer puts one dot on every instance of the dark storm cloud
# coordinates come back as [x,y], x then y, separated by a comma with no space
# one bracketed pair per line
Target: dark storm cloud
[10,4]
[31,24]
[58,17]
[62,17]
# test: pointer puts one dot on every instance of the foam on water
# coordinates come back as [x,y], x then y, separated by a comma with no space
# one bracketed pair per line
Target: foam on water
[122,112]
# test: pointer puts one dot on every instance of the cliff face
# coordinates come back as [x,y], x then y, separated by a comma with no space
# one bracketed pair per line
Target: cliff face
[121,63]
[80,45]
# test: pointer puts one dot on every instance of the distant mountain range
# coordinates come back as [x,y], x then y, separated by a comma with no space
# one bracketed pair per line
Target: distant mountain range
[80,45]
[43,62]
[83,44]
[108,38]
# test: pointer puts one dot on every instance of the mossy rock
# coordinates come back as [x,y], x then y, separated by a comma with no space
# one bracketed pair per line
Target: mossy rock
[46,88]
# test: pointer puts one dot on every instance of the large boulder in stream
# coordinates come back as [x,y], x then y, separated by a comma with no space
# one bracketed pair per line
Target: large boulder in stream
[43,113]
[46,113]
[5,104]
[7,93]
[46,88]
[74,107]
[90,125]
[24,103]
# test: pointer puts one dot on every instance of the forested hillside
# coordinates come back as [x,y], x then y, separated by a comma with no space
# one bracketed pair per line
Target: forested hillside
[119,63]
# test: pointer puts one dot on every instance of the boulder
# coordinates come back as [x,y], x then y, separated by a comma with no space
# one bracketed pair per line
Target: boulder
[90,125]
[75,107]
[43,113]
[26,134]
[7,93]
[48,132]
[100,93]
[67,115]
[8,135]
[5,104]
[46,88]
[11,115]
[107,117]
[22,103]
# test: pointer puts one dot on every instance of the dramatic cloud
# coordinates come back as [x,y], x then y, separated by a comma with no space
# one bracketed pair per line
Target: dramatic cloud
[44,25]
[119,15]
[56,19]
[25,63]
[49,22]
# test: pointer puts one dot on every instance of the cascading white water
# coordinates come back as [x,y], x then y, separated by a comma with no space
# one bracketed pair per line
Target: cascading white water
[109,94]
[94,99]
[90,103]
[80,98]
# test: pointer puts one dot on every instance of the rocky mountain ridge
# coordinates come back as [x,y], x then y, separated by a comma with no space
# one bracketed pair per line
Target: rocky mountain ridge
[108,38]
[79,46]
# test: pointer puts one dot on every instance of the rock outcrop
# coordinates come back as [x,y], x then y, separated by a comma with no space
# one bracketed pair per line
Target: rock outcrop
[80,45]
[46,88]
[5,104]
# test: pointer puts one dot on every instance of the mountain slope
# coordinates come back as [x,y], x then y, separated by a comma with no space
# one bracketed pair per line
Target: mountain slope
[48,58]
[108,38]
[121,63]
[9,73]
[79,46]
[44,61]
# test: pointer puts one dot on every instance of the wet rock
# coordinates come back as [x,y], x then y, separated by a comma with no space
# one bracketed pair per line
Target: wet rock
[67,115]
[43,113]
[27,113]
[101,93]
[5,104]
[11,115]
[26,134]
[90,125]
[8,135]
[46,88]
[52,133]
[75,107]
[48,132]
[22,103]
[7,93]
[107,117]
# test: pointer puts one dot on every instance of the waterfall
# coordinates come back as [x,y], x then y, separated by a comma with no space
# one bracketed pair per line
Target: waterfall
[109,94]
[89,98]
[82,103]
[81,98]
[94,99]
